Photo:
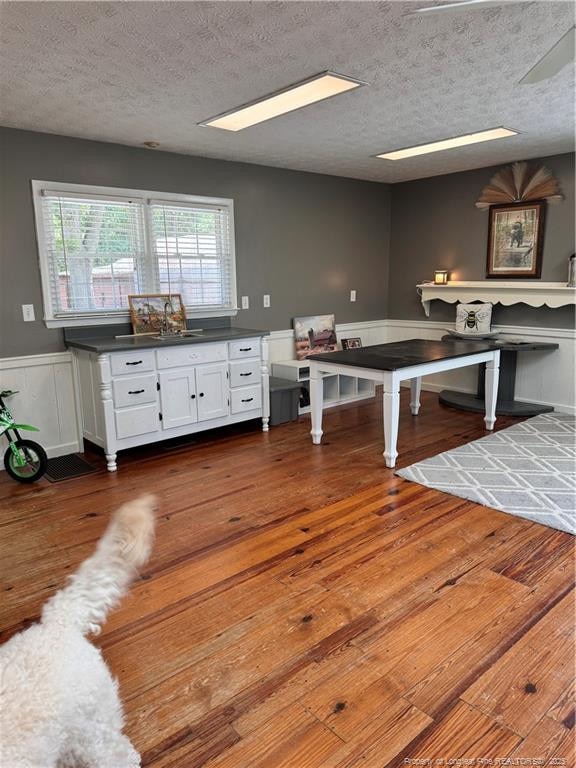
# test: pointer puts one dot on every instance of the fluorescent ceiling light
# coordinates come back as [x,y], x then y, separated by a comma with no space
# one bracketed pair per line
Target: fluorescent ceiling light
[456,6]
[296,96]
[457,141]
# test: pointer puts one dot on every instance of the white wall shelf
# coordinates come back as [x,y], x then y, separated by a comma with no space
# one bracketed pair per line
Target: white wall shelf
[338,389]
[506,292]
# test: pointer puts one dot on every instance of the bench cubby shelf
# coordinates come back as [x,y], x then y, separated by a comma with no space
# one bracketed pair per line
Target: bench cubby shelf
[338,389]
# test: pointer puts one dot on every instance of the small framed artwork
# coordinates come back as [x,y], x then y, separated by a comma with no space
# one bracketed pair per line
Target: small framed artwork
[351,343]
[314,335]
[515,238]
[157,312]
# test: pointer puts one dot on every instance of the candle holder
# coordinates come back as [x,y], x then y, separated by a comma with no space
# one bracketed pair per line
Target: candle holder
[441,277]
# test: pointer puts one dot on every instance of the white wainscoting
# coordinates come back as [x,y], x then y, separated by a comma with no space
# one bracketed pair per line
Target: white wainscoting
[541,377]
[48,395]
[46,399]
[370,331]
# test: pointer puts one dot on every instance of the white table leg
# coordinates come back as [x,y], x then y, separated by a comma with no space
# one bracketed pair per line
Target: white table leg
[491,389]
[391,399]
[316,403]
[415,389]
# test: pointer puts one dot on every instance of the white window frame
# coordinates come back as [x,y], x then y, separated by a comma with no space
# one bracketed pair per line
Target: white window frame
[108,317]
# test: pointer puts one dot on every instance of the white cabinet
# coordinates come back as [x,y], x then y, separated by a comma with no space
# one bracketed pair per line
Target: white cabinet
[246,399]
[212,386]
[194,394]
[244,372]
[178,400]
[133,398]
[132,422]
[132,363]
[134,390]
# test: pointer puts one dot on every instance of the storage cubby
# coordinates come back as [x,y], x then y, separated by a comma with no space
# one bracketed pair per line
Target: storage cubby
[338,389]
[365,387]
[330,389]
[348,387]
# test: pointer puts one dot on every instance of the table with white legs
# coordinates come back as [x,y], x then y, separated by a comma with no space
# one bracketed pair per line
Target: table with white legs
[389,364]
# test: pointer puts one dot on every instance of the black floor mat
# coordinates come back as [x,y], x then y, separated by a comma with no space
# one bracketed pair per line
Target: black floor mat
[67,467]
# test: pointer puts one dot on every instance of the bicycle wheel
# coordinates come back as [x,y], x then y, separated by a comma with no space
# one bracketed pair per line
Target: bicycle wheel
[35,464]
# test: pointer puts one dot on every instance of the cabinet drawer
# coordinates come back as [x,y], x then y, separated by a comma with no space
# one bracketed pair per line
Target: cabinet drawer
[131,362]
[244,348]
[137,421]
[246,399]
[243,373]
[134,390]
[189,354]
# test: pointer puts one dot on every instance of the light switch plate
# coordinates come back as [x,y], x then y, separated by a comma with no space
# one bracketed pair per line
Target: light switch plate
[28,313]
[266,299]
[352,295]
[245,302]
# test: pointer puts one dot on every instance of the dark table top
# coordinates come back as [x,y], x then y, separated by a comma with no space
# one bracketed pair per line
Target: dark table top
[403,354]
[102,344]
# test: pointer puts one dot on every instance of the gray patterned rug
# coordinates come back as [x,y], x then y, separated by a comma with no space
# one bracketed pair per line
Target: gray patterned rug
[527,470]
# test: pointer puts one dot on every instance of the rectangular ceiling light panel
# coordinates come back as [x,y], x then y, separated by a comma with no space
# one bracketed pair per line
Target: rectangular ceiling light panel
[296,96]
[457,141]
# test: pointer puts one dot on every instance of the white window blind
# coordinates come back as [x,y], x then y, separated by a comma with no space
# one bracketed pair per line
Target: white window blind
[95,252]
[98,246]
[193,253]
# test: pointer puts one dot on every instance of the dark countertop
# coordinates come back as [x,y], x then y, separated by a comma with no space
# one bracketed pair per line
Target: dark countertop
[102,344]
[521,346]
[403,354]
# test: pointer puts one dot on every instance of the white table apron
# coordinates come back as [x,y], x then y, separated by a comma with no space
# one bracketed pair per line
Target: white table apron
[390,381]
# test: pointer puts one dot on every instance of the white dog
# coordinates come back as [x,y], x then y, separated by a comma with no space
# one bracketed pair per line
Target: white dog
[59,704]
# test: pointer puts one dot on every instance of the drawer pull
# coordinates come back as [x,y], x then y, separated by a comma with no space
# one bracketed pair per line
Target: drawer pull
[245,349]
[136,391]
[193,397]
[136,362]
[246,374]
[201,394]
[248,400]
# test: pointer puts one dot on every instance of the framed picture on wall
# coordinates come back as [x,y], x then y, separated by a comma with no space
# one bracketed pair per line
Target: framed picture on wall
[515,238]
[355,343]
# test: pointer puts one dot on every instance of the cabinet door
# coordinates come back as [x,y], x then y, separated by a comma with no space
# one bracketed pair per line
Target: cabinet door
[178,398]
[212,391]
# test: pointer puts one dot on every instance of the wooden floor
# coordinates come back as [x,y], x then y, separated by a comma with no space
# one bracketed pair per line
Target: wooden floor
[305,608]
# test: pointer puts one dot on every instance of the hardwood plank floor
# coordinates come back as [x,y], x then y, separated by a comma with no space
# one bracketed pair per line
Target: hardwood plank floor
[305,608]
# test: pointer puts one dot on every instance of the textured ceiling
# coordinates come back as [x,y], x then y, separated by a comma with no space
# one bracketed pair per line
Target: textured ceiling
[129,72]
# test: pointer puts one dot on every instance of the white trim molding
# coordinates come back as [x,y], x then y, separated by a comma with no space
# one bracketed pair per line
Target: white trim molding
[506,292]
[370,331]
[47,398]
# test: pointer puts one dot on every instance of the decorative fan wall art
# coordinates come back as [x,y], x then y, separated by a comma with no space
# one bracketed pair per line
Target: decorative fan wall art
[519,183]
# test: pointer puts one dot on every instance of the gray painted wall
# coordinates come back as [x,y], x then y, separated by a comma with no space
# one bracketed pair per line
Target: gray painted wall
[304,238]
[435,225]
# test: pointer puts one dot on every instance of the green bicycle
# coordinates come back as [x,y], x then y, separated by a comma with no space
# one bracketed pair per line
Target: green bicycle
[25,460]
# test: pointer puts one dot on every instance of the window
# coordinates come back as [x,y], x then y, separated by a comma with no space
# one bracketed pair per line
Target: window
[97,246]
